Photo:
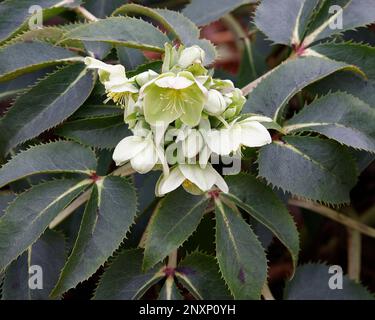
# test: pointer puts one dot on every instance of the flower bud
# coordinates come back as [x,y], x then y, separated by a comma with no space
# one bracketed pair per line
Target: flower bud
[145,77]
[215,104]
[190,56]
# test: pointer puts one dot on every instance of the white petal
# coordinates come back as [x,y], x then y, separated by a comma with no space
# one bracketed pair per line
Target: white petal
[219,181]
[254,134]
[168,183]
[204,156]
[192,144]
[174,82]
[256,118]
[128,148]
[97,64]
[122,87]
[203,178]
[222,141]
[145,161]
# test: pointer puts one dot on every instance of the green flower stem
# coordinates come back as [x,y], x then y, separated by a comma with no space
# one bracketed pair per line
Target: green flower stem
[86,14]
[334,215]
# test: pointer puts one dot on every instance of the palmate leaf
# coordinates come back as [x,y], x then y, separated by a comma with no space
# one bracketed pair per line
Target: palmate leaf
[121,31]
[355,13]
[311,282]
[15,12]
[262,204]
[108,216]
[53,99]
[200,274]
[28,216]
[24,57]
[174,220]
[169,291]
[124,278]
[240,255]
[184,29]
[54,157]
[358,54]
[339,116]
[284,21]
[309,167]
[207,11]
[102,133]
[49,254]
[274,91]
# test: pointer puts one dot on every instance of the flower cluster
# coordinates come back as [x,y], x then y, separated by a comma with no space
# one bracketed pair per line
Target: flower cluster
[179,118]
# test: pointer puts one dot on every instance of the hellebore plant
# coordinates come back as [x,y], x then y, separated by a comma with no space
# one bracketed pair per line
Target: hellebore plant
[179,100]
[137,161]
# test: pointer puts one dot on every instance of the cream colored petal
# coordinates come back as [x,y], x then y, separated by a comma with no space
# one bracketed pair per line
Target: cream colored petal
[201,177]
[145,160]
[173,82]
[128,148]
[254,134]
[168,183]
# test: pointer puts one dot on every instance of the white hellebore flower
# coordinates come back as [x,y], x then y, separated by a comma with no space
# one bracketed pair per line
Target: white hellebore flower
[145,77]
[215,104]
[248,132]
[141,151]
[191,55]
[190,175]
[118,87]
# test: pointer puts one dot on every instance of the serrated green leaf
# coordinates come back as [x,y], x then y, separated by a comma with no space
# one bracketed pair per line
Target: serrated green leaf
[262,204]
[108,216]
[130,58]
[309,167]
[284,21]
[347,82]
[5,198]
[28,216]
[97,111]
[339,116]
[124,278]
[24,57]
[53,99]
[175,219]
[98,132]
[274,91]
[358,54]
[241,258]
[60,156]
[200,274]
[311,282]
[48,253]
[354,14]
[169,291]
[205,12]
[122,31]
[184,29]
[102,8]
[15,12]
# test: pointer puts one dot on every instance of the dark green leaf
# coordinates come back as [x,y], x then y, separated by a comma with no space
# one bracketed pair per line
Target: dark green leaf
[311,282]
[97,111]
[60,156]
[339,116]
[200,274]
[122,31]
[262,203]
[309,167]
[354,13]
[29,215]
[108,216]
[241,258]
[102,8]
[358,54]
[175,219]
[284,21]
[275,90]
[53,99]
[124,278]
[98,132]
[207,11]
[48,253]
[130,58]
[14,13]
[24,57]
